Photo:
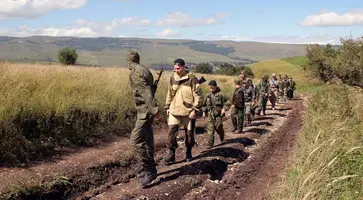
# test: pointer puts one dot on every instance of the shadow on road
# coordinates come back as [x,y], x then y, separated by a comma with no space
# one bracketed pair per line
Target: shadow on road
[279,114]
[215,168]
[260,131]
[226,152]
[260,124]
[263,118]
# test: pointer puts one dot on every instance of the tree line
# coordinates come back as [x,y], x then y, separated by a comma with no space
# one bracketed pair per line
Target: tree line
[69,55]
[223,69]
[343,64]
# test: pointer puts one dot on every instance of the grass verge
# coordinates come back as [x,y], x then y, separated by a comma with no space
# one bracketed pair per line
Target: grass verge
[328,160]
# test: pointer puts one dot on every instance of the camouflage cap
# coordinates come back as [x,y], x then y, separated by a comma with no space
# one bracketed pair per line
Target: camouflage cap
[133,56]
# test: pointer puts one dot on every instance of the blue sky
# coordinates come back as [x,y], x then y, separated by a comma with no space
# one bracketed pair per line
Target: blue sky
[279,21]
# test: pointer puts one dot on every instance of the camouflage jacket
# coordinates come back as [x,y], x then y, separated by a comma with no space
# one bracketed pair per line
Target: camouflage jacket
[292,84]
[249,93]
[263,88]
[143,92]
[281,84]
[238,98]
[213,103]
[286,83]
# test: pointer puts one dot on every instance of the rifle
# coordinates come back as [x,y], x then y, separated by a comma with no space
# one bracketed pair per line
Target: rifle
[156,82]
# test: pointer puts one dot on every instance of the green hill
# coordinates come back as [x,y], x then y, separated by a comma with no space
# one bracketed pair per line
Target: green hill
[112,51]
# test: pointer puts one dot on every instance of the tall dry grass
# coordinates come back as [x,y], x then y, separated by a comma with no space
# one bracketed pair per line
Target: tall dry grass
[44,107]
[328,161]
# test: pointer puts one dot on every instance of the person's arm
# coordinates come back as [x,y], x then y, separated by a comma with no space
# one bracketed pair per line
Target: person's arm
[169,97]
[144,84]
[197,94]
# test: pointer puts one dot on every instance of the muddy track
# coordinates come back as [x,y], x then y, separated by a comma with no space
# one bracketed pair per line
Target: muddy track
[251,179]
[241,168]
[237,167]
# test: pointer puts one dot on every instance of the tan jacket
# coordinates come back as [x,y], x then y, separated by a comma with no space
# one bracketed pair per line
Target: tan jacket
[184,95]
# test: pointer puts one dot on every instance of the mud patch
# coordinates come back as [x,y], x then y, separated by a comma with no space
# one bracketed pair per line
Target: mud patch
[111,173]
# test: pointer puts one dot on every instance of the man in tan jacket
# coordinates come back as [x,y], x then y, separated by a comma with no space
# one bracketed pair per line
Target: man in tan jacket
[184,99]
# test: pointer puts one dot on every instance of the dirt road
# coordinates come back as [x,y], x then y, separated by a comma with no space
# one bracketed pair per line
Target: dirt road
[241,168]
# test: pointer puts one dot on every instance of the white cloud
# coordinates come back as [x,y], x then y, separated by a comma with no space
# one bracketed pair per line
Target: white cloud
[234,38]
[80,28]
[35,8]
[308,39]
[168,33]
[132,21]
[24,31]
[325,18]
[184,20]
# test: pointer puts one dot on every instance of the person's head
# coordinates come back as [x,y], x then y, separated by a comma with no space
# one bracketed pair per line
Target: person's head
[273,75]
[280,76]
[179,67]
[237,82]
[212,86]
[134,57]
[263,79]
[249,81]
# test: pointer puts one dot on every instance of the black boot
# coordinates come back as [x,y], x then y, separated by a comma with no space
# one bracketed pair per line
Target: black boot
[170,158]
[148,177]
[189,156]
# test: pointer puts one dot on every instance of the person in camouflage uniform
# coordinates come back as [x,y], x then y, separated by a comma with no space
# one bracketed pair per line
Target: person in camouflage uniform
[142,138]
[291,88]
[286,86]
[263,89]
[238,106]
[281,88]
[273,90]
[249,96]
[215,104]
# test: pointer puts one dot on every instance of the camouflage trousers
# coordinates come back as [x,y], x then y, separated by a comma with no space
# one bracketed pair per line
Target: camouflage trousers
[142,140]
[215,125]
[273,97]
[237,118]
[248,109]
[262,103]
[290,93]
[282,93]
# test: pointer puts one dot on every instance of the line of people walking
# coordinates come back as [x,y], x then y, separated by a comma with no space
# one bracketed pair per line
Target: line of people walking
[184,101]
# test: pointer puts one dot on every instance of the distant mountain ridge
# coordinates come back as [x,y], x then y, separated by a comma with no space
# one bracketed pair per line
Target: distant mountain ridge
[107,51]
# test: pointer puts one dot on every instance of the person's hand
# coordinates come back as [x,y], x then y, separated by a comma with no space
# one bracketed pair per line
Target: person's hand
[223,112]
[158,117]
[192,115]
[203,115]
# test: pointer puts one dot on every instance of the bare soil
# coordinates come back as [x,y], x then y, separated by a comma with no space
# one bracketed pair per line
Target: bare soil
[241,168]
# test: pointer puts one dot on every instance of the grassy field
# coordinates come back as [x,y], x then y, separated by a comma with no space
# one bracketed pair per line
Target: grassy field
[328,160]
[44,107]
[290,67]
